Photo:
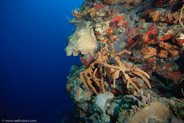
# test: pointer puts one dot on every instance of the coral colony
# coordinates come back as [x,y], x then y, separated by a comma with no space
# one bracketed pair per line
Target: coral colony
[132,54]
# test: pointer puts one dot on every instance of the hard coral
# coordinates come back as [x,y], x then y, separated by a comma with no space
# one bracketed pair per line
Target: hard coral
[125,43]
[156,110]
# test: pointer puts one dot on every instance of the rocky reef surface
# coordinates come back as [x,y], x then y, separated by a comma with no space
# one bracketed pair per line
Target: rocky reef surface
[132,54]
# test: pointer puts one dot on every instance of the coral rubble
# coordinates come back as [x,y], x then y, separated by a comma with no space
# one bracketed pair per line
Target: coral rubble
[132,54]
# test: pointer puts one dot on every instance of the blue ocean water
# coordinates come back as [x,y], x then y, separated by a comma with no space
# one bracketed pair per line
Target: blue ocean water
[33,63]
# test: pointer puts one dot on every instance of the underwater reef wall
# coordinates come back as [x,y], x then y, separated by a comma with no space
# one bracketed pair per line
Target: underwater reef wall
[132,55]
